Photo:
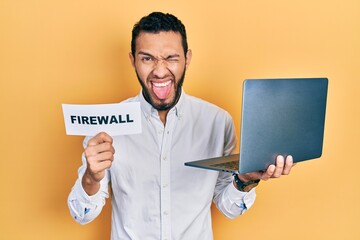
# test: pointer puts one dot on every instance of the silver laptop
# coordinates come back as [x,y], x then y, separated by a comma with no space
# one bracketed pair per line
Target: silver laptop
[279,116]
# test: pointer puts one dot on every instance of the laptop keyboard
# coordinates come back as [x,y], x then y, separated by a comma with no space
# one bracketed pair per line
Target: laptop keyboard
[233,165]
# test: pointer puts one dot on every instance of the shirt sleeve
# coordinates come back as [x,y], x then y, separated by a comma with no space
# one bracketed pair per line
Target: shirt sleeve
[84,208]
[230,201]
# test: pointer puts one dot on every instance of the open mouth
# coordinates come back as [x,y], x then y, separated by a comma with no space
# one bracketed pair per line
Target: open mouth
[162,89]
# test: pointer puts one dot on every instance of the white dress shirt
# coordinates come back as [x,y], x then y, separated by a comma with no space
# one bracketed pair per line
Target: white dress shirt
[154,196]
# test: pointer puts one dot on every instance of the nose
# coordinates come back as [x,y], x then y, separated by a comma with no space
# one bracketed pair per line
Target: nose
[160,69]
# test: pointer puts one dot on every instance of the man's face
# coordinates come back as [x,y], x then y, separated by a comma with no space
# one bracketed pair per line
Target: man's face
[160,66]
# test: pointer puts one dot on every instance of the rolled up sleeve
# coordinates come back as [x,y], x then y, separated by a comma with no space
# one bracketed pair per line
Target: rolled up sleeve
[84,208]
[230,201]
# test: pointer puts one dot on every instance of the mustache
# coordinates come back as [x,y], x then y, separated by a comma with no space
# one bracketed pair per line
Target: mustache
[151,77]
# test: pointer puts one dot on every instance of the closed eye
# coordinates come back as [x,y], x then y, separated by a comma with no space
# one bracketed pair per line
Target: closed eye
[173,58]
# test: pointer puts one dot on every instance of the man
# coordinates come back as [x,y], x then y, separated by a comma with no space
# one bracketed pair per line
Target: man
[154,195]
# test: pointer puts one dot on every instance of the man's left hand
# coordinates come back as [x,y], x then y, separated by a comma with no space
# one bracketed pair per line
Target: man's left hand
[282,167]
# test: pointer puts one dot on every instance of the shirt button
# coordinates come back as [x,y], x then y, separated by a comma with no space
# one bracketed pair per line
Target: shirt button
[165,185]
[164,158]
[166,213]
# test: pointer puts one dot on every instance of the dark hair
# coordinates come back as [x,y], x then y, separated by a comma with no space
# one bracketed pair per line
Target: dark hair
[157,22]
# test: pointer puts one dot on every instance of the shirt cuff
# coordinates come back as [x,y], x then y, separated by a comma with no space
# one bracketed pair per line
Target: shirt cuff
[246,198]
[82,196]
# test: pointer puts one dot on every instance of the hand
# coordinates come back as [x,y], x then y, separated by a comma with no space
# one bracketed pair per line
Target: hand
[99,155]
[282,167]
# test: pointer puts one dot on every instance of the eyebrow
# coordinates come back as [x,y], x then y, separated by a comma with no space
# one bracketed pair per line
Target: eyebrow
[150,55]
[145,53]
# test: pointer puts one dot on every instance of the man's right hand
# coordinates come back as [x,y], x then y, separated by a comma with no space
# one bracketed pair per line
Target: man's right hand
[99,155]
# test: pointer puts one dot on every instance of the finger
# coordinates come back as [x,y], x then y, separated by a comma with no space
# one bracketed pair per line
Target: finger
[103,147]
[104,156]
[100,138]
[99,168]
[269,172]
[280,162]
[289,163]
[100,148]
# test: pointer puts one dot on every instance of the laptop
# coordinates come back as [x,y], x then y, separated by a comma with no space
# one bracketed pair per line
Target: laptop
[278,117]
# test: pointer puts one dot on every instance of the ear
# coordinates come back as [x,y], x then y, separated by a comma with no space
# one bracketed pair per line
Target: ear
[188,58]
[132,59]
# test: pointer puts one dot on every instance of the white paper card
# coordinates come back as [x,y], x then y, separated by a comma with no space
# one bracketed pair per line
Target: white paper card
[114,119]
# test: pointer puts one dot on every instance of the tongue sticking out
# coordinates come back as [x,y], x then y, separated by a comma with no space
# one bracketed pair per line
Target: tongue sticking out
[162,92]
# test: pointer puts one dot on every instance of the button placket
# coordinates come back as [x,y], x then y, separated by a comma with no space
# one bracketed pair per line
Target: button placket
[165,177]
[165,190]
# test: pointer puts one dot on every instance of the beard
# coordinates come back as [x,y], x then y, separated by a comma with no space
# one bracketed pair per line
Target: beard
[163,106]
